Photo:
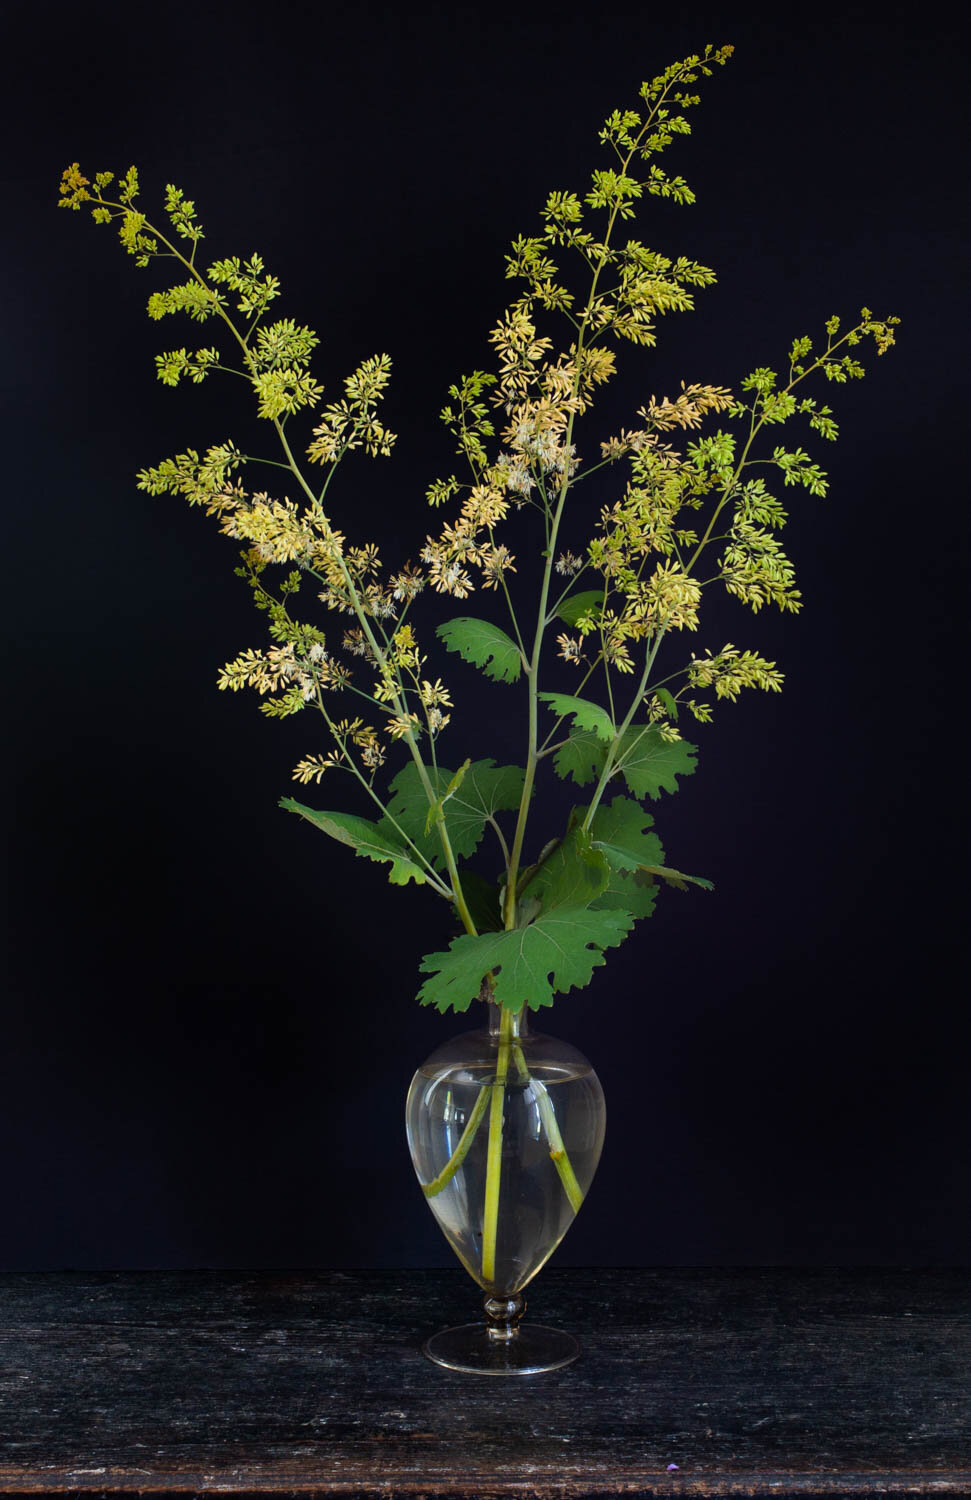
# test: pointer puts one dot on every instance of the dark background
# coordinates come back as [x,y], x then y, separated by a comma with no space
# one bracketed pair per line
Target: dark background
[210,1021]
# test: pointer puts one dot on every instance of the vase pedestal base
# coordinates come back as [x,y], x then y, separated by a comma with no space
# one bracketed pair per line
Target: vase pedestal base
[531,1350]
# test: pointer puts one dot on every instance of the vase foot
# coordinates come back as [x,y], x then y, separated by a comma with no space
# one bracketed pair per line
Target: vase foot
[531,1351]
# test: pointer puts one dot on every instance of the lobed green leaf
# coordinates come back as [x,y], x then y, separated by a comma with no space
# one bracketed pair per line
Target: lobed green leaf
[484,790]
[485,645]
[584,713]
[650,764]
[575,873]
[580,758]
[618,831]
[557,952]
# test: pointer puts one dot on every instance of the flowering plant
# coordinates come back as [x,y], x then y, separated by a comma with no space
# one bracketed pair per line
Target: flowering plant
[608,609]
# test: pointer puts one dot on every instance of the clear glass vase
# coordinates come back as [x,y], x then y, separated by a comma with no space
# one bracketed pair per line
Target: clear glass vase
[505,1130]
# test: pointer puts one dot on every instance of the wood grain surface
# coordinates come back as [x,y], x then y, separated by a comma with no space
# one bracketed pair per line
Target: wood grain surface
[749,1381]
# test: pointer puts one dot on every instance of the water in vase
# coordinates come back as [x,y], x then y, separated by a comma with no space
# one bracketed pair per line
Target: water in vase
[552,1125]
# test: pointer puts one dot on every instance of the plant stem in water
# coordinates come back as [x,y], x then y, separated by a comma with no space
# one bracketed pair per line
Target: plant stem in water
[490,1221]
[461,1151]
[558,1151]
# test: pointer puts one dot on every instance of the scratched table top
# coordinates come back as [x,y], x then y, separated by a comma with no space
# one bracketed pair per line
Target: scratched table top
[749,1381]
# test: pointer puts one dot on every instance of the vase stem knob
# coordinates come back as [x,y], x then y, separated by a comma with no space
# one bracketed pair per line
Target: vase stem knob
[503,1315]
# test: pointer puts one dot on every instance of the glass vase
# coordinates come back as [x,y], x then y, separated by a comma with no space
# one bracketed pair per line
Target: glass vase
[505,1129]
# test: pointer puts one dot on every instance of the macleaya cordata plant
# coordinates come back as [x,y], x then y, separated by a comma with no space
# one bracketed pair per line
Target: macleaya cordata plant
[679,522]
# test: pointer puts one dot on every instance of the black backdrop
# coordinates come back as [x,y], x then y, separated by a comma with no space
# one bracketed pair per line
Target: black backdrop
[210,1024]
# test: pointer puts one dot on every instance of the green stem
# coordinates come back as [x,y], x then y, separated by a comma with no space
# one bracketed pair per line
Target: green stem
[551,537]
[250,458]
[570,586]
[509,604]
[606,662]
[502,839]
[432,875]
[460,902]
[497,1091]
[609,762]
[462,1149]
[558,1152]
[532,753]
[560,717]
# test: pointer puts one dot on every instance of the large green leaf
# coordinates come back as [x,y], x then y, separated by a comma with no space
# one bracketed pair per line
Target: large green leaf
[574,605]
[584,713]
[488,789]
[373,840]
[575,873]
[557,952]
[635,893]
[650,764]
[618,831]
[485,790]
[484,644]
[580,758]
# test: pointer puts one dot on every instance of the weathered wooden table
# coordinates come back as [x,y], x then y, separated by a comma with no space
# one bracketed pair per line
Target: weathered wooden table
[714,1382]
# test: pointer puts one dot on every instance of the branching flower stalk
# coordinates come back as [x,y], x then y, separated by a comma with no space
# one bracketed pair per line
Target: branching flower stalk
[541,927]
[144,230]
[511,904]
